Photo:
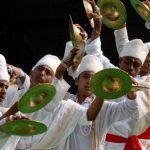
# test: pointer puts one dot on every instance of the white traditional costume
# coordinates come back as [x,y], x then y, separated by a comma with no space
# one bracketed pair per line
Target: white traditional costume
[125,128]
[7,142]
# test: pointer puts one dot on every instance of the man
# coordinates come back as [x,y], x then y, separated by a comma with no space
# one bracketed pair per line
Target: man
[131,61]
[121,38]
[68,114]
[6,141]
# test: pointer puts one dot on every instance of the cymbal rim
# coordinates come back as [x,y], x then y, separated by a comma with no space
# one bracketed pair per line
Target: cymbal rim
[135,3]
[120,8]
[98,78]
[13,127]
[24,102]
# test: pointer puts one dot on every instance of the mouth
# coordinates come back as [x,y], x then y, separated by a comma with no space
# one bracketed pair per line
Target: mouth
[40,80]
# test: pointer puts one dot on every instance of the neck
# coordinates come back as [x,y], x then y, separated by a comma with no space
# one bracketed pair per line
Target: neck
[81,98]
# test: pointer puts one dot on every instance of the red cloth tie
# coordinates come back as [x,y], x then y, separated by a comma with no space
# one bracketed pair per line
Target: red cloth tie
[131,143]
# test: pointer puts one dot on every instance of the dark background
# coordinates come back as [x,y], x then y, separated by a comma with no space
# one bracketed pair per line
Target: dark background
[29,29]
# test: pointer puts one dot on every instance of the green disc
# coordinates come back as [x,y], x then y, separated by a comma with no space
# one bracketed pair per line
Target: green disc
[23,127]
[141,9]
[110,83]
[113,12]
[36,98]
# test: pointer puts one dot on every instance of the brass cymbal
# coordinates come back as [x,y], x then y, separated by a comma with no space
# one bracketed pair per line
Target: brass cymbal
[74,33]
[88,9]
[110,83]
[36,98]
[23,127]
[113,12]
[142,9]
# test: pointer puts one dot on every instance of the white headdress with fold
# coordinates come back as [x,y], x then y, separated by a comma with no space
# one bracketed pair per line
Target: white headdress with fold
[51,61]
[135,48]
[3,69]
[90,63]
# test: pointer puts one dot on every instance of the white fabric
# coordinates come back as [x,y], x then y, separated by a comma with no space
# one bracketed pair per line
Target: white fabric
[98,52]
[81,134]
[90,63]
[147,45]
[93,47]
[147,25]
[135,48]
[68,48]
[3,69]
[60,124]
[110,113]
[121,38]
[7,142]
[51,61]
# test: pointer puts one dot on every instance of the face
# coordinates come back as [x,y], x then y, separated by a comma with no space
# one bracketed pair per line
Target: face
[3,89]
[145,69]
[130,65]
[83,83]
[41,74]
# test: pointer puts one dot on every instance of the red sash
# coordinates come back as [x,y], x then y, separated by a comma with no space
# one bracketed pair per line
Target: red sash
[131,143]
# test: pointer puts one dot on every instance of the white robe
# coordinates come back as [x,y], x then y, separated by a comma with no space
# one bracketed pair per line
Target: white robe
[7,142]
[132,125]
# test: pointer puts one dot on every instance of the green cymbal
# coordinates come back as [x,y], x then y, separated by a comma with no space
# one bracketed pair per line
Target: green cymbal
[142,9]
[36,98]
[113,12]
[23,127]
[110,83]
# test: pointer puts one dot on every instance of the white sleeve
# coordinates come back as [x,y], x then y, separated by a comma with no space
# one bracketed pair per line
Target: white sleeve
[25,84]
[94,48]
[121,38]
[120,110]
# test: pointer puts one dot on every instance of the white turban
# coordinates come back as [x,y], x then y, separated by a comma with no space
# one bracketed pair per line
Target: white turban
[135,48]
[50,61]
[147,45]
[3,69]
[90,63]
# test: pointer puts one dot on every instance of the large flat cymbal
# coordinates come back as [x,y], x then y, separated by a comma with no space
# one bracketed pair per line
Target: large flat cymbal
[110,83]
[23,127]
[141,9]
[36,98]
[113,12]
[74,33]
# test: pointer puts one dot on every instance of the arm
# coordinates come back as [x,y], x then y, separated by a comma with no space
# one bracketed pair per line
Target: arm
[121,38]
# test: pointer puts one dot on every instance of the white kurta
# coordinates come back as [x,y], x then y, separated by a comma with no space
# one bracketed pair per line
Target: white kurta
[7,142]
[82,136]
[125,127]
[61,124]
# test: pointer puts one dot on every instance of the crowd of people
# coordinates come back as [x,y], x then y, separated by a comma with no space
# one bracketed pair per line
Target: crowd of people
[82,121]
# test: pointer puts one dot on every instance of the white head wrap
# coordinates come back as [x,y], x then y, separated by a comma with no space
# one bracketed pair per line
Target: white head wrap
[135,48]
[50,61]
[89,63]
[3,69]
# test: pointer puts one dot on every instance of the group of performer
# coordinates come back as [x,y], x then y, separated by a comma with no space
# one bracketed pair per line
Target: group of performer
[82,121]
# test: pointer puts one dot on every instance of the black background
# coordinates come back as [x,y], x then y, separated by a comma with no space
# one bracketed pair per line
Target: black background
[29,29]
